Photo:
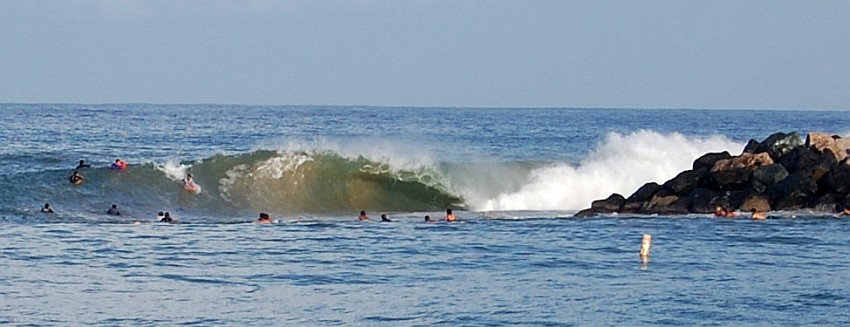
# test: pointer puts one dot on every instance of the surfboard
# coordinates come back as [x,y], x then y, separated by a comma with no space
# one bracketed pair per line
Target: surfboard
[192,188]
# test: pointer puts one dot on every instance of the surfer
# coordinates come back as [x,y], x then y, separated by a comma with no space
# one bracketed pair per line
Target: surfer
[119,164]
[363,216]
[82,165]
[160,215]
[189,184]
[758,215]
[76,178]
[47,208]
[384,218]
[264,218]
[113,211]
[166,218]
[450,216]
[428,219]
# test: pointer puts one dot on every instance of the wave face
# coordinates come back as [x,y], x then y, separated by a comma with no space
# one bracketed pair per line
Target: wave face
[285,182]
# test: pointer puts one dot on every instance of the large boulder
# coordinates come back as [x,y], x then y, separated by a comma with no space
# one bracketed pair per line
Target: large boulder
[609,205]
[708,160]
[752,146]
[802,158]
[793,192]
[685,182]
[636,201]
[837,180]
[728,199]
[778,144]
[701,200]
[734,179]
[666,205]
[745,160]
[756,201]
[767,176]
[821,142]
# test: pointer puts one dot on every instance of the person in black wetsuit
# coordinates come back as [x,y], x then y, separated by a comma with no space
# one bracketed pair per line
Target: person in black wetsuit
[167,218]
[47,208]
[82,165]
[384,218]
[113,211]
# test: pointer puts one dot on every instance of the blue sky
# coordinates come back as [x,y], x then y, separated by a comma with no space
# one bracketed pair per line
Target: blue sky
[625,54]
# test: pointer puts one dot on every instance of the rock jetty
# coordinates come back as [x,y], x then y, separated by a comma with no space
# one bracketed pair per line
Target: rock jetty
[782,172]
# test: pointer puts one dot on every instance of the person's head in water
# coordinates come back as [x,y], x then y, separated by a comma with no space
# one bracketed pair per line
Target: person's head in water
[264,218]
[384,217]
[47,208]
[427,218]
[82,162]
[363,215]
[114,206]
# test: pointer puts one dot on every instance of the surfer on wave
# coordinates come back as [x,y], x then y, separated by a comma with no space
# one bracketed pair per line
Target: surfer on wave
[189,184]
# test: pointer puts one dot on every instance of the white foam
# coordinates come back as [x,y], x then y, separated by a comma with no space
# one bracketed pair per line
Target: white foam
[173,170]
[620,164]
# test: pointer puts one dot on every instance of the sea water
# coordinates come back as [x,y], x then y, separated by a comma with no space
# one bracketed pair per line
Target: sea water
[514,176]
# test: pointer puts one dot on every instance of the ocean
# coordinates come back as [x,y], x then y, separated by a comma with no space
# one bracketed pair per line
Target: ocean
[514,176]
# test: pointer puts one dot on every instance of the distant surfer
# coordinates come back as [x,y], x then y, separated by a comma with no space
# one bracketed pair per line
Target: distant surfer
[76,178]
[119,165]
[113,211]
[264,218]
[166,218]
[384,218]
[363,216]
[82,165]
[428,219]
[450,216]
[160,215]
[47,208]
[189,184]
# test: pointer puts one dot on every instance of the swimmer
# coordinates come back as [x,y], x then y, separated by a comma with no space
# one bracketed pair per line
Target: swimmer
[113,211]
[450,216]
[730,213]
[167,218]
[429,220]
[384,218]
[82,165]
[188,180]
[758,215]
[363,216]
[47,208]
[264,219]
[75,178]
[160,215]
[119,164]
[846,211]
[719,211]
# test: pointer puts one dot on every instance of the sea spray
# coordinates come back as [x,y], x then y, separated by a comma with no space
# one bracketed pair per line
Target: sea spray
[620,164]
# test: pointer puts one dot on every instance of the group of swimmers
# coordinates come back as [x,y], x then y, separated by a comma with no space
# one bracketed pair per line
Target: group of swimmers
[757,214]
[449,217]
[77,178]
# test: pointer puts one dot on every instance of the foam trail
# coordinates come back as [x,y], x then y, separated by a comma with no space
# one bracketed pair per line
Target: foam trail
[620,164]
[173,170]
